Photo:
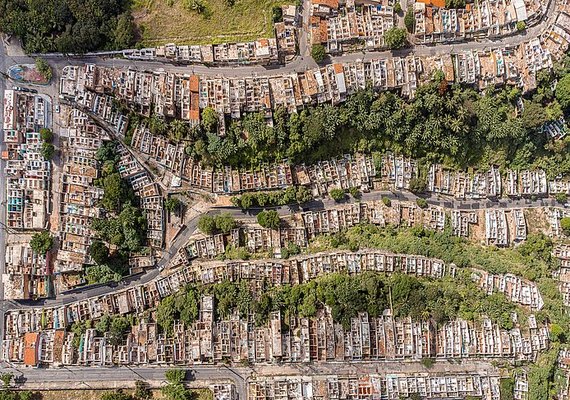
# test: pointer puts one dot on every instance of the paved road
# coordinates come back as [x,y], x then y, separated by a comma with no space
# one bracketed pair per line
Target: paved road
[436,200]
[304,60]
[97,377]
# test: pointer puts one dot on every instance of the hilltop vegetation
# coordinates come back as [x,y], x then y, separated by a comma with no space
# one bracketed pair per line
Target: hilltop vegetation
[68,26]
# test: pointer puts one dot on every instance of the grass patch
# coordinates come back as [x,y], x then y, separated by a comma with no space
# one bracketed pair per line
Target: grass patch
[168,21]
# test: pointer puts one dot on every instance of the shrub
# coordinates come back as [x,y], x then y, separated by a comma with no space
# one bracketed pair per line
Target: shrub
[562,198]
[41,242]
[428,362]
[318,52]
[410,20]
[387,202]
[395,38]
[354,192]
[206,224]
[422,203]
[46,135]
[269,219]
[565,225]
[337,194]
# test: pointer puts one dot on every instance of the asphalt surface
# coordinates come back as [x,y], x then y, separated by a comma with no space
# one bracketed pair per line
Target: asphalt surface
[88,377]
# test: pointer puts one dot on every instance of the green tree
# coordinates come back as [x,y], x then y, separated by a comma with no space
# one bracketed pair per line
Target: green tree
[395,38]
[565,225]
[318,52]
[225,222]
[387,202]
[557,333]
[124,35]
[355,193]
[410,20]
[422,203]
[418,185]
[521,26]
[48,151]
[428,362]
[454,3]
[337,194]
[207,224]
[6,378]
[210,120]
[269,219]
[562,198]
[397,7]
[41,242]
[563,92]
[507,388]
[175,375]
[99,252]
[172,204]
[44,68]
[46,135]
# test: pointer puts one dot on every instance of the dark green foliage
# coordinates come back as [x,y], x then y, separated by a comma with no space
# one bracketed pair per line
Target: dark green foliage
[422,203]
[541,375]
[172,204]
[397,7]
[395,38]
[46,135]
[127,230]
[41,242]
[116,395]
[206,224]
[318,52]
[142,391]
[44,68]
[563,92]
[337,194]
[183,305]
[410,20]
[418,185]
[355,193]
[277,14]
[269,219]
[562,198]
[99,252]
[455,3]
[6,378]
[66,26]
[565,225]
[428,362]
[387,202]
[125,32]
[291,195]
[48,151]
[507,388]
[175,375]
[210,120]
[521,26]
[223,223]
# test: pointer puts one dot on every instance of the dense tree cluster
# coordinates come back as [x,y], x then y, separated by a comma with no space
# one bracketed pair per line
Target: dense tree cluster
[68,26]
[123,228]
[223,223]
[291,195]
[443,123]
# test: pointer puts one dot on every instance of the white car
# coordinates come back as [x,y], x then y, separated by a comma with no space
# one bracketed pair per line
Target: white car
[56,108]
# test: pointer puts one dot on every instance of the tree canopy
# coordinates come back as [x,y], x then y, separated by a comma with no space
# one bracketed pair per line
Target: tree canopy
[68,26]
[41,242]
